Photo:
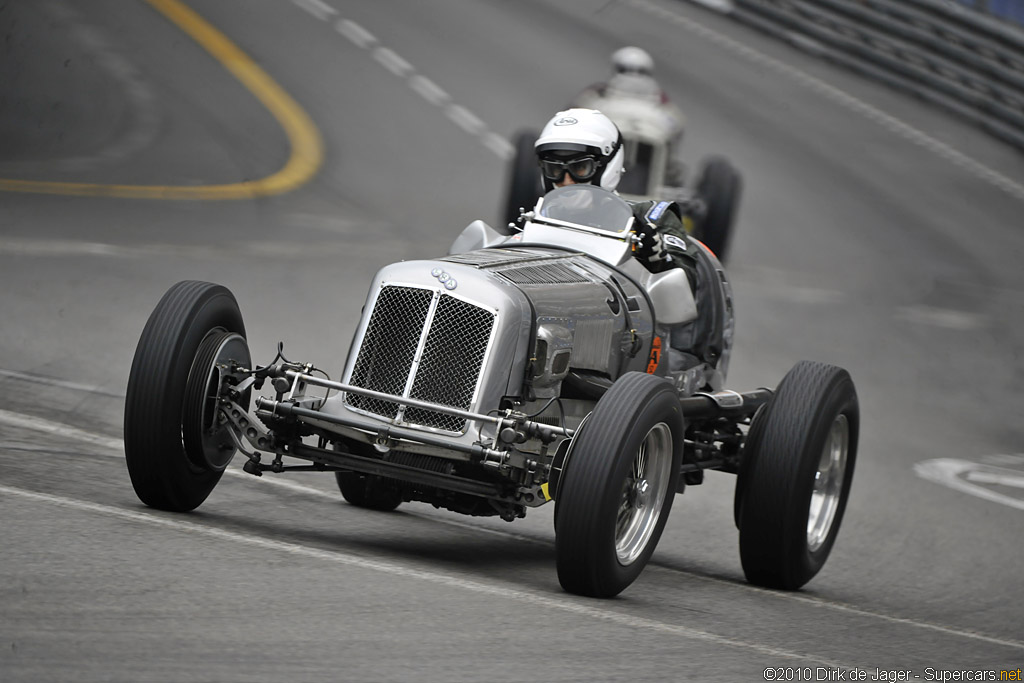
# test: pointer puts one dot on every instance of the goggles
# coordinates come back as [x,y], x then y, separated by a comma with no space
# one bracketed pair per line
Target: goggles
[581,168]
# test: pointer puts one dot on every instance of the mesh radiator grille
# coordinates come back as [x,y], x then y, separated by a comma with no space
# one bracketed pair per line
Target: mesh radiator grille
[389,347]
[449,364]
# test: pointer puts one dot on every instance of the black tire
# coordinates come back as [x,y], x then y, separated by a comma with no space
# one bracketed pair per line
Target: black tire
[803,451]
[719,185]
[753,437]
[598,554]
[368,491]
[165,457]
[525,185]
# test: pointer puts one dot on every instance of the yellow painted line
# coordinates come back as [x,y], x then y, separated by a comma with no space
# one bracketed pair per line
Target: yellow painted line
[303,136]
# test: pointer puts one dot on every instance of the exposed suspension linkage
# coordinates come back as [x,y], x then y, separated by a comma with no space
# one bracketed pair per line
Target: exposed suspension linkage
[510,428]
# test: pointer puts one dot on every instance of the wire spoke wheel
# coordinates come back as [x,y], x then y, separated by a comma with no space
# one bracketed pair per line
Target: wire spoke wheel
[615,492]
[643,494]
[796,474]
[828,483]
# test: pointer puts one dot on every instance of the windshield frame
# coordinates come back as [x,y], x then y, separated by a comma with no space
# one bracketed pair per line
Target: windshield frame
[622,234]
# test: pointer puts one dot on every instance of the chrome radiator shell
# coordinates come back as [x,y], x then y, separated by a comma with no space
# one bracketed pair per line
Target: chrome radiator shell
[438,332]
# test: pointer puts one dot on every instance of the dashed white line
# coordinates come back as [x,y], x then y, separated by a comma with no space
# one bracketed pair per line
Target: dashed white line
[392,62]
[499,145]
[317,8]
[116,446]
[355,33]
[424,87]
[465,119]
[429,90]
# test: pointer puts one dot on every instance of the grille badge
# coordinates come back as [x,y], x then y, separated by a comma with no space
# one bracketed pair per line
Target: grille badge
[444,278]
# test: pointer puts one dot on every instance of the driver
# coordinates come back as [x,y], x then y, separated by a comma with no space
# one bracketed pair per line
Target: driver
[583,146]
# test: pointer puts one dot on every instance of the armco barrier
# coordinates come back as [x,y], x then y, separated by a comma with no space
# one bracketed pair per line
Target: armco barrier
[940,51]
[1008,10]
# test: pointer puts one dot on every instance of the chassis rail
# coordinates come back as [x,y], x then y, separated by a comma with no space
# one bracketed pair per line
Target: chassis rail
[339,460]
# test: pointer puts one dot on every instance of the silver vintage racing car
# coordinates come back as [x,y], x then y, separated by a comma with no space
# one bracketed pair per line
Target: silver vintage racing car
[512,372]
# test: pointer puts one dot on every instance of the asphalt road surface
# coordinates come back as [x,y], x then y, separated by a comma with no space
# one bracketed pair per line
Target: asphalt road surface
[299,146]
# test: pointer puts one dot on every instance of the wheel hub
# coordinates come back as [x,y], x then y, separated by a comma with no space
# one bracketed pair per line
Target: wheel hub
[208,443]
[641,494]
[828,484]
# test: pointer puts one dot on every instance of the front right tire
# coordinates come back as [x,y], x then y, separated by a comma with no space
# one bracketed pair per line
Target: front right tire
[174,449]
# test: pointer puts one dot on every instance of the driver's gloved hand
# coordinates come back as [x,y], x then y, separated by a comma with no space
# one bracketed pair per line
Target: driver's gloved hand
[651,249]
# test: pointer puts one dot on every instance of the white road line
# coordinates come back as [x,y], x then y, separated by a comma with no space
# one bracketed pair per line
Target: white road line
[429,90]
[499,145]
[317,8]
[1016,459]
[946,318]
[39,424]
[116,446]
[848,609]
[1014,480]
[425,88]
[63,384]
[392,62]
[465,119]
[355,33]
[576,606]
[841,97]
[947,471]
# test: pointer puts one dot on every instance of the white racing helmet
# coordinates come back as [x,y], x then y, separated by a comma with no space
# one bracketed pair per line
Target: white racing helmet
[584,143]
[632,60]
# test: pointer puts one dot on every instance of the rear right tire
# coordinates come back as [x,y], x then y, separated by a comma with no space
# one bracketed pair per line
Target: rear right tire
[795,477]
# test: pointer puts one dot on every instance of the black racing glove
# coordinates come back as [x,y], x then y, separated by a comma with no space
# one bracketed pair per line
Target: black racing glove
[651,249]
